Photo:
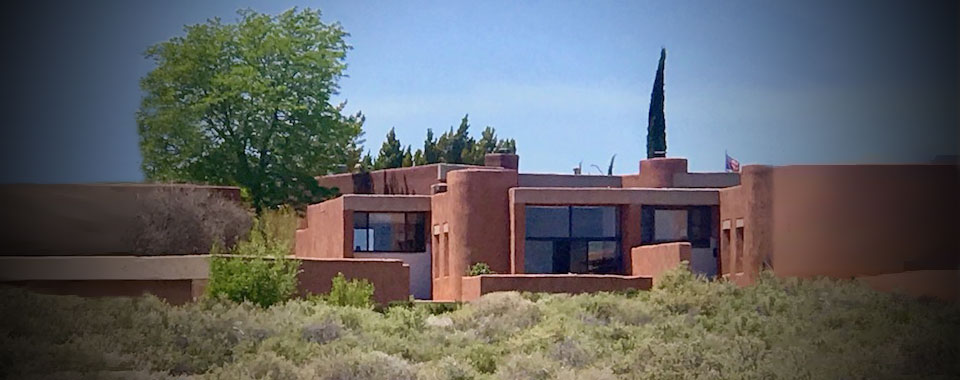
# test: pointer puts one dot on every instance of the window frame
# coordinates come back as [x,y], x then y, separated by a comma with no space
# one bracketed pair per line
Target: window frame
[410,229]
[571,238]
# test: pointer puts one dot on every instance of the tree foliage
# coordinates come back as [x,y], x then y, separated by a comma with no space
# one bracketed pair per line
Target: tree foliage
[391,153]
[455,146]
[657,122]
[249,104]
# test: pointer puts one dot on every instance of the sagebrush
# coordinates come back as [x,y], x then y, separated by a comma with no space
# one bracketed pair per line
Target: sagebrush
[686,328]
[176,221]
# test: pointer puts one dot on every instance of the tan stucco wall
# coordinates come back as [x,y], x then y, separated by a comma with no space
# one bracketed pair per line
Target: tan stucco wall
[653,260]
[176,279]
[656,172]
[390,277]
[568,180]
[706,180]
[76,219]
[476,286]
[326,233]
[180,279]
[475,210]
[853,220]
[942,284]
[54,268]
[411,180]
[845,220]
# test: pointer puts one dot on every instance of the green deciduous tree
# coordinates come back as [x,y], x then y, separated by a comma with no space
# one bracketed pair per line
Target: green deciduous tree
[249,104]
[657,122]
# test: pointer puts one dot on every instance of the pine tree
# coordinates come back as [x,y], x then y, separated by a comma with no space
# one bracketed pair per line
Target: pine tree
[407,158]
[657,123]
[418,158]
[391,153]
[431,154]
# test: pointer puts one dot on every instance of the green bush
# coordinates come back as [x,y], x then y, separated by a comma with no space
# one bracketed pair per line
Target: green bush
[479,269]
[258,270]
[353,293]
[688,328]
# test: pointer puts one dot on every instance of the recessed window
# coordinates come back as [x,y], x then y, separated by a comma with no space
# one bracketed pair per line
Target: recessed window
[676,224]
[389,231]
[572,239]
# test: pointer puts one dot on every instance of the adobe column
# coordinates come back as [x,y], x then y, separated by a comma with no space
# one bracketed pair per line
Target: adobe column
[479,219]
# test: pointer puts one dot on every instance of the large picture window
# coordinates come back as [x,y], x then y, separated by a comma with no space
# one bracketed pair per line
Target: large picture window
[389,232]
[572,239]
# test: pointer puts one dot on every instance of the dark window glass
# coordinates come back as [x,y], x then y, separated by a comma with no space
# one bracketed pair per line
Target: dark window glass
[646,224]
[389,232]
[572,239]
[538,256]
[699,231]
[593,221]
[544,221]
[603,257]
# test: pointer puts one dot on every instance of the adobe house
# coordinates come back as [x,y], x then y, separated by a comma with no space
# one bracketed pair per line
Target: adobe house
[572,233]
[540,232]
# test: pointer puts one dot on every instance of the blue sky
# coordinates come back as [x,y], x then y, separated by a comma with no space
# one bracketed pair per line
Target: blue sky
[569,80]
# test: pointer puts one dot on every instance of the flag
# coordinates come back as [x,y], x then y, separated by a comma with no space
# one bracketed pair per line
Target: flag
[732,164]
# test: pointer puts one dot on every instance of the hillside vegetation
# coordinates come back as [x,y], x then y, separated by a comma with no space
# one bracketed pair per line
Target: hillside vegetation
[686,328]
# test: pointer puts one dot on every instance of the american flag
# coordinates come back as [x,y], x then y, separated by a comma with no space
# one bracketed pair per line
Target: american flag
[732,164]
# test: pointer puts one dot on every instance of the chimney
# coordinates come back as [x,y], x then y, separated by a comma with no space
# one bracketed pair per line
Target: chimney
[502,160]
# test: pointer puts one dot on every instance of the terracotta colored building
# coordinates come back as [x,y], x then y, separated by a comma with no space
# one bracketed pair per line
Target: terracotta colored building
[558,232]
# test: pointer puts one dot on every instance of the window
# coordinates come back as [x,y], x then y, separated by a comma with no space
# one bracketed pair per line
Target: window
[389,231]
[572,239]
[739,255]
[674,224]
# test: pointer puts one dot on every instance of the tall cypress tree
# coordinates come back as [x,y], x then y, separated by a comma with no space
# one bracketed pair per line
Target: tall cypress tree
[657,122]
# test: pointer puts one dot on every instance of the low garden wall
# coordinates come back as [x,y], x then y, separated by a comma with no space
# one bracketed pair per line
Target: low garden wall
[653,260]
[390,277]
[176,279]
[475,286]
[181,279]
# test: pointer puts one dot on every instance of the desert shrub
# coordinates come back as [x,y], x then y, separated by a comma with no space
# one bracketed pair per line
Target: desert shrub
[689,328]
[479,269]
[257,269]
[360,365]
[178,220]
[356,292]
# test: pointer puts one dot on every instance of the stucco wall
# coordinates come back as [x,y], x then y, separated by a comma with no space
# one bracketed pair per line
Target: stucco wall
[844,220]
[656,172]
[326,232]
[180,279]
[653,260]
[567,180]
[414,180]
[76,219]
[475,210]
[850,220]
[419,267]
[706,180]
[390,278]
[476,286]
[176,279]
[942,284]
